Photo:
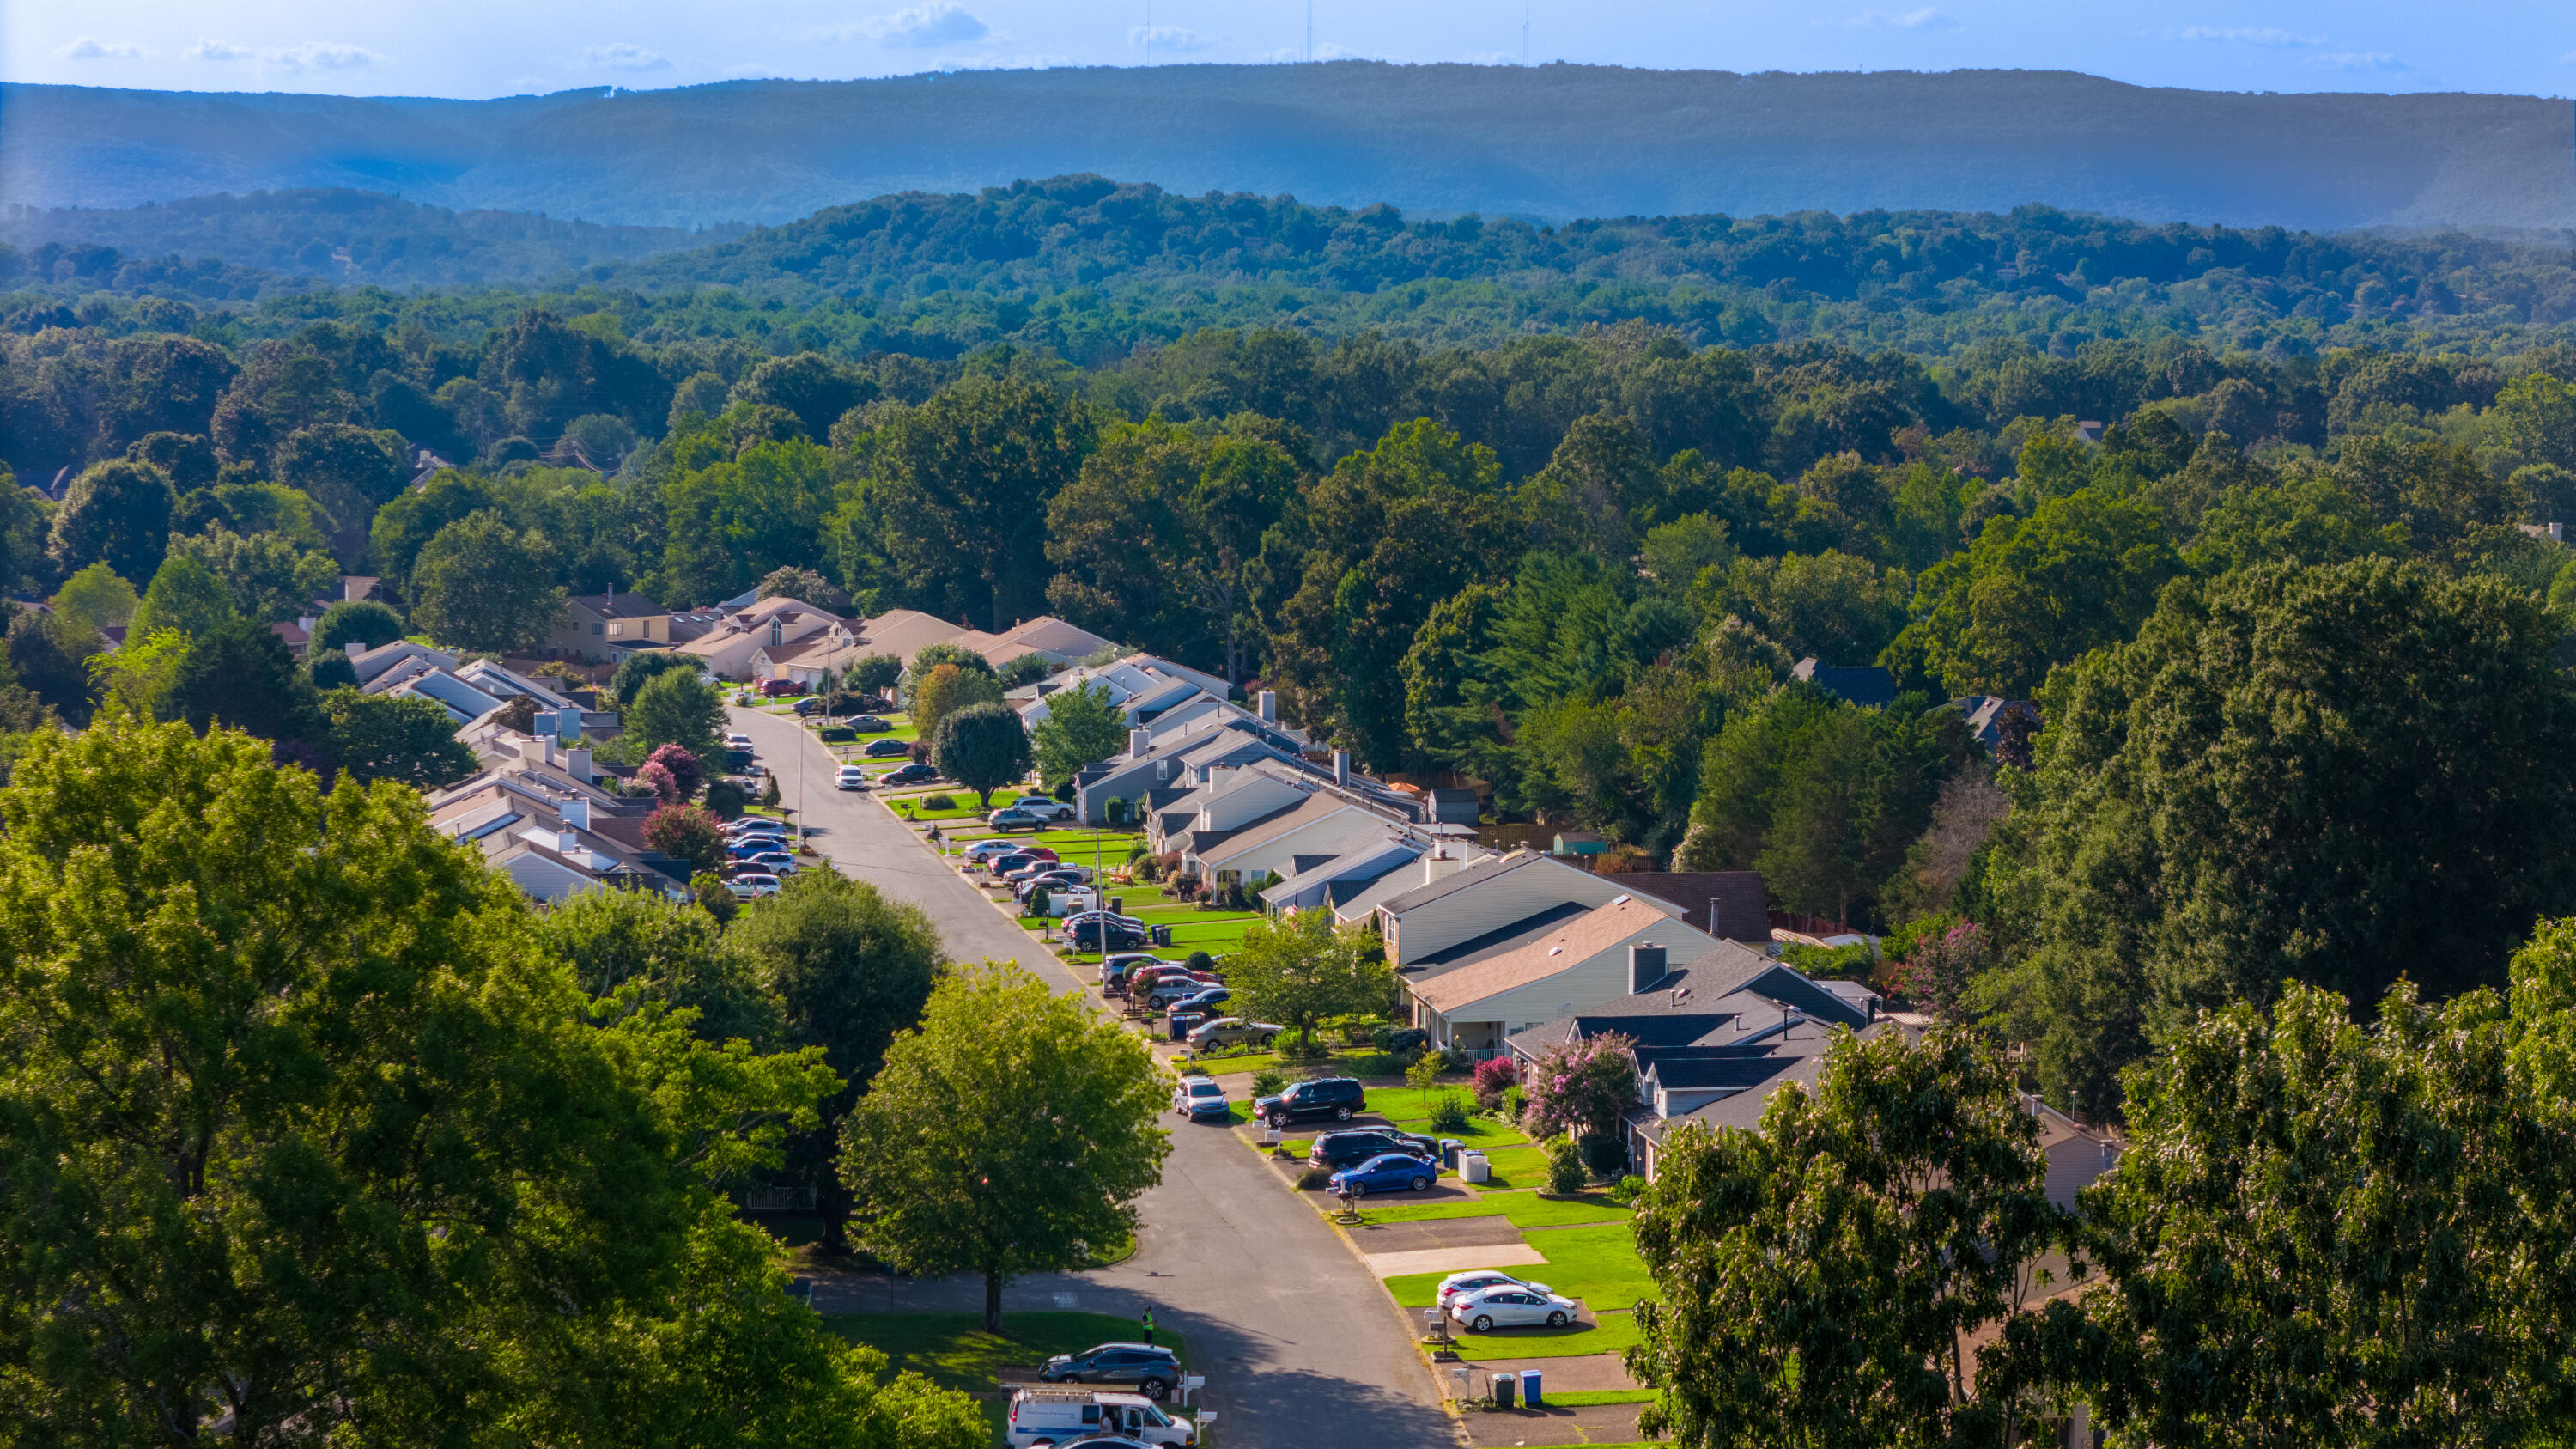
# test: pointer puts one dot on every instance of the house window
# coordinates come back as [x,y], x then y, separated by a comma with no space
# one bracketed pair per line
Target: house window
[616,629]
[594,628]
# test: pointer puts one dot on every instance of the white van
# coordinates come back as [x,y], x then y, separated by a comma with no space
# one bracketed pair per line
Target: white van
[1048,1416]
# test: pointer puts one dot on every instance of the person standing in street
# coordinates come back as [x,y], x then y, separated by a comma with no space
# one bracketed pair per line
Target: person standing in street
[1149,1328]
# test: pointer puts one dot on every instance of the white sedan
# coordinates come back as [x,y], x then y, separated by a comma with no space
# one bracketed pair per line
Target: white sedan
[850,777]
[1461,1285]
[737,741]
[1511,1307]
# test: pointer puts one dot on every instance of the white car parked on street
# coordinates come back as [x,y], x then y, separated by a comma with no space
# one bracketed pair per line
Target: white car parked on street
[850,777]
[1511,1307]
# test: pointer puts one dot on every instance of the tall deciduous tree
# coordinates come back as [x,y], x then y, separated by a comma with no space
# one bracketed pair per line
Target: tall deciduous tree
[2355,1234]
[387,737]
[319,1143]
[116,513]
[982,747]
[1011,1134]
[481,584]
[1818,1281]
[185,596]
[686,833]
[963,485]
[1082,727]
[363,622]
[947,688]
[95,598]
[848,969]
[1297,970]
[675,707]
[2333,775]
[241,675]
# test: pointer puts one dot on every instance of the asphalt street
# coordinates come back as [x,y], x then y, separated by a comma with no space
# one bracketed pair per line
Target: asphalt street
[1298,1345]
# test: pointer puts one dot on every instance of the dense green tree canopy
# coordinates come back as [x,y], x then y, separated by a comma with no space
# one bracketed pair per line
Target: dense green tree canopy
[982,747]
[1081,728]
[2336,776]
[479,584]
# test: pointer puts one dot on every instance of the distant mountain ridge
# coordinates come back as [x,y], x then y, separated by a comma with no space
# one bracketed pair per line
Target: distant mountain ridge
[1551,142]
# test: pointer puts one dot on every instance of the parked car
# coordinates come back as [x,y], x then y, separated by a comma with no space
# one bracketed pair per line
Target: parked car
[1198,1097]
[776,862]
[1185,995]
[984,851]
[1114,969]
[868,724]
[754,825]
[1234,1031]
[1334,1097]
[780,688]
[1066,1417]
[886,749]
[737,740]
[1112,934]
[753,883]
[1513,1306]
[1039,865]
[916,773]
[1044,808]
[1386,1172]
[850,777]
[810,704]
[1465,1285]
[1012,817]
[1152,1370]
[1359,1144]
[751,845]
[1047,880]
[1154,973]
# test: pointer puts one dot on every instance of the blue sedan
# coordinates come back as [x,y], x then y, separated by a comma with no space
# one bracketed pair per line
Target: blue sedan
[1386,1172]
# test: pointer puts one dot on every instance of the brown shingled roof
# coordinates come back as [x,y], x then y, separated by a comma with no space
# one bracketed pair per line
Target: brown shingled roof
[1577,941]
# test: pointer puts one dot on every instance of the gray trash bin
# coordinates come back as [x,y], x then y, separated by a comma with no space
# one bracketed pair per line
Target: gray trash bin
[1449,1147]
[1529,1388]
[1503,1384]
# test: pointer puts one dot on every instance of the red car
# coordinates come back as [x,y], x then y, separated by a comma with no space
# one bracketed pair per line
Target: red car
[779,688]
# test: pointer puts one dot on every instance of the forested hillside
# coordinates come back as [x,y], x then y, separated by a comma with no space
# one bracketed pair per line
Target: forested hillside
[349,237]
[1553,142]
[1094,271]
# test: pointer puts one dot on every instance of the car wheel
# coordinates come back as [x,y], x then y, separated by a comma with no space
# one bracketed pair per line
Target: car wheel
[1070,1379]
[1483,1324]
[1421,1184]
[1556,1320]
[1341,1114]
[1155,1389]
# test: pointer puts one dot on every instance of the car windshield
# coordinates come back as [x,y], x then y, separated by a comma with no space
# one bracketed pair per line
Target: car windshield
[1206,1089]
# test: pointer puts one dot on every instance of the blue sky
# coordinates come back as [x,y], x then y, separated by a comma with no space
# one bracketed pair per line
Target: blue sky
[505,47]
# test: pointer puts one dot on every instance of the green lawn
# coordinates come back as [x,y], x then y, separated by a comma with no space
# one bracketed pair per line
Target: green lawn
[1345,1064]
[1587,1398]
[1514,1167]
[1598,1265]
[1524,1209]
[1611,1334]
[954,1349]
[964,807]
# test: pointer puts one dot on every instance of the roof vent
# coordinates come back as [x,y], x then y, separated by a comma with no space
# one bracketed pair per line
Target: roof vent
[1621,900]
[1556,950]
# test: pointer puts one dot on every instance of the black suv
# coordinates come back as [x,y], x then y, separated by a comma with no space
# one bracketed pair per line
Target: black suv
[1152,1370]
[1342,1149]
[1334,1097]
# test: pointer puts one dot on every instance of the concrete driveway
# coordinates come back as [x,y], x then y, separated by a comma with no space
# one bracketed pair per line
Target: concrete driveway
[1295,1336]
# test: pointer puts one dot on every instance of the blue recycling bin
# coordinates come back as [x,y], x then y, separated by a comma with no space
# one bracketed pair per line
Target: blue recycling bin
[1184,1022]
[1529,1389]
[1449,1148]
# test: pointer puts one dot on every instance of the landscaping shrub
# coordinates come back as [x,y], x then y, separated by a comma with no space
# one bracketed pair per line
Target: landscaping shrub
[726,799]
[1199,961]
[1449,1114]
[1565,1172]
[1269,1082]
[1193,1069]
[1303,1049]
[837,734]
[1313,1179]
[1606,1153]
[1400,1041]
[938,802]
[1513,1100]
[1493,1076]
[1627,1190]
[1038,901]
[1454,1060]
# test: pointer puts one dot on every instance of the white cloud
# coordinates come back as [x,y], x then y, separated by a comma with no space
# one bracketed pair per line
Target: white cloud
[90,47]
[623,55]
[2244,35]
[325,55]
[941,22]
[2363,60]
[1171,37]
[210,49]
[1926,18]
